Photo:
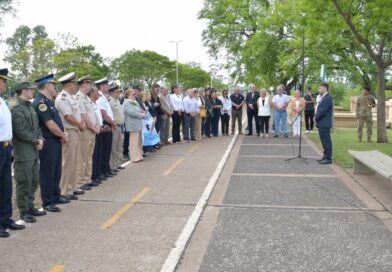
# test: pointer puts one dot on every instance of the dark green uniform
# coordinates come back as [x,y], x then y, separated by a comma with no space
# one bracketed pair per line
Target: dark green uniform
[26,132]
[364,114]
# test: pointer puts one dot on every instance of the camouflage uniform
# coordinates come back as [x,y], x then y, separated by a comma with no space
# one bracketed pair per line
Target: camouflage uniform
[364,114]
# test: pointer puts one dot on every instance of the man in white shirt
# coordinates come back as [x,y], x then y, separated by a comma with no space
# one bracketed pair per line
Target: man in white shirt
[109,125]
[5,163]
[178,110]
[280,103]
[190,108]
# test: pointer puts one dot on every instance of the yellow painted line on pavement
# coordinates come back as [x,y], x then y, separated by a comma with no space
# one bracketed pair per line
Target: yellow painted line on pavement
[194,147]
[57,268]
[174,166]
[112,220]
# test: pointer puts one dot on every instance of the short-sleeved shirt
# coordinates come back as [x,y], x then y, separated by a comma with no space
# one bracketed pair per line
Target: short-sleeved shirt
[237,99]
[86,107]
[66,105]
[117,110]
[309,106]
[46,111]
[5,122]
[280,100]
[103,104]
[98,113]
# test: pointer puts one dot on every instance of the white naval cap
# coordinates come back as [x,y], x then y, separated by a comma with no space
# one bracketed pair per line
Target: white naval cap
[71,77]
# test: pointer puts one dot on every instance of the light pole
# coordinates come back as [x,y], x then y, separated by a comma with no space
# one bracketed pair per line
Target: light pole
[176,42]
[303,64]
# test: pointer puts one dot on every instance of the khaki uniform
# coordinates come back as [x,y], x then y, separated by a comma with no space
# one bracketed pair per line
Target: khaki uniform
[364,114]
[87,140]
[66,104]
[118,136]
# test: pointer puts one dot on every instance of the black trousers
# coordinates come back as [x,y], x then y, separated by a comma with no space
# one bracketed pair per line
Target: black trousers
[50,171]
[5,184]
[107,138]
[225,118]
[208,126]
[97,157]
[309,119]
[325,138]
[264,123]
[253,114]
[215,124]
[177,120]
[126,143]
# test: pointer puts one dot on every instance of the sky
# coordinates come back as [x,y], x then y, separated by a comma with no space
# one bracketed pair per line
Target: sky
[116,26]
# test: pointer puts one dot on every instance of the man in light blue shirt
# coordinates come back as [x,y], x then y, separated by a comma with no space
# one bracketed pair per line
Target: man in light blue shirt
[280,103]
[190,108]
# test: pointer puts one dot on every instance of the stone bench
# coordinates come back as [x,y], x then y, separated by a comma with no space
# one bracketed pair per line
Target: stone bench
[370,162]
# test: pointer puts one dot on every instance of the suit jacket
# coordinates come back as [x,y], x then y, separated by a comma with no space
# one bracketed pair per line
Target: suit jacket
[324,113]
[132,117]
[252,101]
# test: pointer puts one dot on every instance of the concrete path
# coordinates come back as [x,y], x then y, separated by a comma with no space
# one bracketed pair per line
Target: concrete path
[129,223]
[267,214]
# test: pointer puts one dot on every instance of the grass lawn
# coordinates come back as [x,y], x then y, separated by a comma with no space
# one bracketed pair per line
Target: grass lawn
[344,139]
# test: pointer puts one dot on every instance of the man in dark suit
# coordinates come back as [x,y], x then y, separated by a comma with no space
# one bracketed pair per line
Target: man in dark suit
[324,115]
[252,110]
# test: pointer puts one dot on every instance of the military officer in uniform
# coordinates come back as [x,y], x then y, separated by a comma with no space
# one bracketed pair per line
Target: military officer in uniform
[27,141]
[365,103]
[118,136]
[109,124]
[5,163]
[55,135]
[87,137]
[73,124]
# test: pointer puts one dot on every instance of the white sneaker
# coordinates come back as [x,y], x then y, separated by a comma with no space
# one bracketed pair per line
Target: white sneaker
[308,131]
[266,135]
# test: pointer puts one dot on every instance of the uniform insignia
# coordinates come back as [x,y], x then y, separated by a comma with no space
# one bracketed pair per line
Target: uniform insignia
[42,107]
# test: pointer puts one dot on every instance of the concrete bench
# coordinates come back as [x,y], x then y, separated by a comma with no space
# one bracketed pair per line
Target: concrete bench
[369,162]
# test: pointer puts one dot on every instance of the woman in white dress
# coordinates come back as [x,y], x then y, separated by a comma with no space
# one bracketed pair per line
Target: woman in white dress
[297,105]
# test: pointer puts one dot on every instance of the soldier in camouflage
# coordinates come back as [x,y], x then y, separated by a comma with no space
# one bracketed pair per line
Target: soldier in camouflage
[365,103]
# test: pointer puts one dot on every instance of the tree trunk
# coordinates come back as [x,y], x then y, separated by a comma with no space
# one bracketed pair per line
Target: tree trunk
[381,123]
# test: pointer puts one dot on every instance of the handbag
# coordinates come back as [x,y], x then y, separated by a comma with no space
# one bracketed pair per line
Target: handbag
[203,113]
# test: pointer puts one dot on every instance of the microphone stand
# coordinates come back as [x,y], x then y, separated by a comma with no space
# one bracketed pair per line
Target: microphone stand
[299,156]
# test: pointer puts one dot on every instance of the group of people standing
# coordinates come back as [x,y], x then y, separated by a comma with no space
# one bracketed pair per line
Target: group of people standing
[71,141]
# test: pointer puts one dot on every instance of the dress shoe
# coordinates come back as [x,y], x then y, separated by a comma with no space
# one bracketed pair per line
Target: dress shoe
[325,162]
[248,134]
[93,183]
[36,212]
[63,200]
[286,136]
[276,136]
[102,178]
[4,233]
[13,226]
[121,167]
[115,171]
[52,208]
[78,192]
[258,134]
[193,139]
[28,218]
[85,187]
[72,197]
[109,175]
[320,160]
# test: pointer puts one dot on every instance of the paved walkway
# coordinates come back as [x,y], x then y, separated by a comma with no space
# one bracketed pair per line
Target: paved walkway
[268,214]
[265,214]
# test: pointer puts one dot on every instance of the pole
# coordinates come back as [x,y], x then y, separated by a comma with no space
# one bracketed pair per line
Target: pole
[303,64]
[177,62]
[176,42]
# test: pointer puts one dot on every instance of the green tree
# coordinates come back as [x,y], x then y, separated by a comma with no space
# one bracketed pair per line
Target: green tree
[83,60]
[30,52]
[141,67]
[6,7]
[190,75]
